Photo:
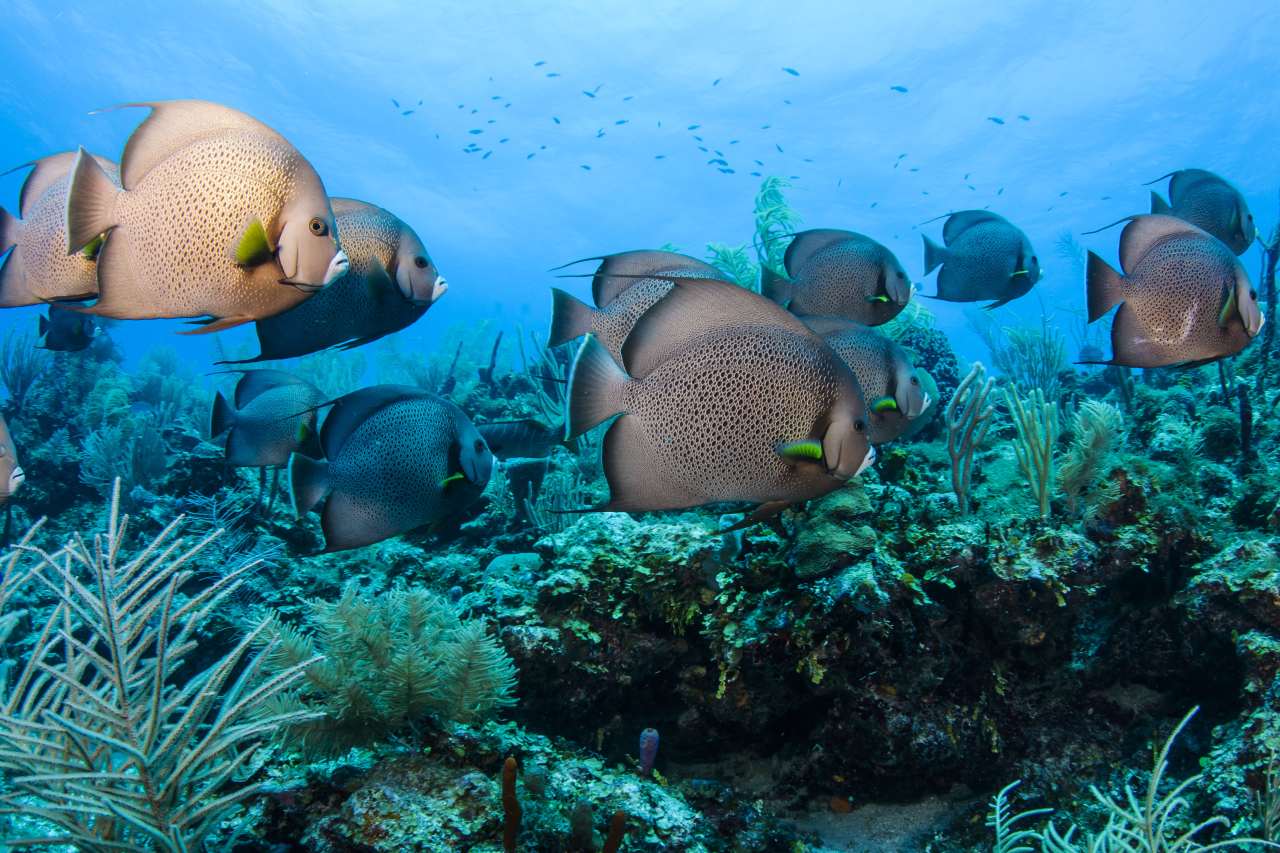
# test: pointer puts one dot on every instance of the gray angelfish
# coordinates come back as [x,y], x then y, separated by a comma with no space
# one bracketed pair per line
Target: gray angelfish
[725,397]
[834,273]
[64,330]
[389,285]
[273,417]
[1184,297]
[396,458]
[886,373]
[1211,204]
[985,257]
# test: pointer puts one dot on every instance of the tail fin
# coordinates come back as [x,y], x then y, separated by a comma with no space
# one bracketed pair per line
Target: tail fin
[570,318]
[776,287]
[1103,284]
[8,231]
[934,255]
[91,199]
[595,388]
[223,415]
[308,483]
[1159,205]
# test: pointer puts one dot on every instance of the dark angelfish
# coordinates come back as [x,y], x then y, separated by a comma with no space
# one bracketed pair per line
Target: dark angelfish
[390,283]
[985,257]
[725,396]
[11,473]
[1184,297]
[524,439]
[66,331]
[834,273]
[1211,204]
[273,417]
[396,458]
[887,376]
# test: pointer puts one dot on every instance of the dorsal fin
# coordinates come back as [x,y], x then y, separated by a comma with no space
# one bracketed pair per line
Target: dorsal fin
[47,171]
[1182,181]
[808,243]
[350,411]
[694,309]
[255,382]
[351,205]
[171,126]
[828,326]
[1143,232]
[962,220]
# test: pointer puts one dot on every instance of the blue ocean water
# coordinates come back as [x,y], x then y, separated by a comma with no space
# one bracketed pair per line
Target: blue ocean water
[1115,95]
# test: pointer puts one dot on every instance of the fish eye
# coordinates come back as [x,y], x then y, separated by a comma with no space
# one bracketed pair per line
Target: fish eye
[318,226]
[915,380]
[900,275]
[1034,259]
[1253,294]
[420,262]
[859,425]
[479,445]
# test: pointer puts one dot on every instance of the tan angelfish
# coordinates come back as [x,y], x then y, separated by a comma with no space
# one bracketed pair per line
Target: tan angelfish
[219,217]
[38,268]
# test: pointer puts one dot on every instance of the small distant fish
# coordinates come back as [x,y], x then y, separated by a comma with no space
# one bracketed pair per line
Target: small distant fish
[495,97]
[273,417]
[406,112]
[914,169]
[486,154]
[898,88]
[627,97]
[966,175]
[757,175]
[985,257]
[531,155]
[492,121]
[1061,194]
[995,119]
[504,140]
[874,203]
[786,101]
[1024,118]
[588,94]
[758,162]
[716,82]
[810,160]
[1184,297]
[704,149]
[779,147]
[717,161]
[539,63]
[556,120]
[902,156]
[585,167]
[693,127]
[621,121]
[397,103]
[765,126]
[733,142]
[476,131]
[1000,191]
[791,71]
[599,133]
[660,156]
[553,73]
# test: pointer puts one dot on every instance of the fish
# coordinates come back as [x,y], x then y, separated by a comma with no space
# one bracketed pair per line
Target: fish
[523,439]
[1024,117]
[886,373]
[624,287]
[1211,204]
[995,119]
[984,256]
[899,88]
[390,283]
[395,458]
[38,268]
[1184,297]
[11,474]
[830,272]
[721,396]
[216,216]
[274,416]
[792,72]
[64,330]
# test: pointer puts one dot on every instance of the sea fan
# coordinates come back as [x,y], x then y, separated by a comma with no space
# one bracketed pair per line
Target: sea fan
[479,678]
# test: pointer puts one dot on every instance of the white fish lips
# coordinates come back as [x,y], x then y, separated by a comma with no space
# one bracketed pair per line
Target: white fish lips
[866,460]
[16,479]
[338,266]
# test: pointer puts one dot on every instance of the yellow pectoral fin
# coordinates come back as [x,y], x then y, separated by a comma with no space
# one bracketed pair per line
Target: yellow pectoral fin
[796,450]
[884,404]
[1020,272]
[93,247]
[1228,307]
[450,480]
[254,248]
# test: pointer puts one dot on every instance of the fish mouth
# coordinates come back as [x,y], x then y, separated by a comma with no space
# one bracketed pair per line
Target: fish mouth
[16,479]
[926,402]
[866,460]
[438,288]
[338,266]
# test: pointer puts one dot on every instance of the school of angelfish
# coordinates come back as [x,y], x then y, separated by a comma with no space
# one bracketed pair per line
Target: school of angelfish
[715,393]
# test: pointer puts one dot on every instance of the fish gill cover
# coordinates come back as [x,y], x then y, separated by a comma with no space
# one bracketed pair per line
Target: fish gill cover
[553,433]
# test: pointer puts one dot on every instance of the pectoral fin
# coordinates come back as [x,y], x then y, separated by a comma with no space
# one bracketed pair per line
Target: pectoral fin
[879,298]
[884,404]
[91,249]
[450,480]
[808,449]
[254,248]
[1229,307]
